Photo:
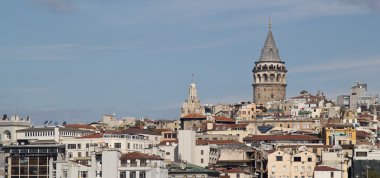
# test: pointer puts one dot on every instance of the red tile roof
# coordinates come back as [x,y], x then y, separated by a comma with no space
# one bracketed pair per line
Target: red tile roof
[223,119]
[217,142]
[362,134]
[325,168]
[79,126]
[281,137]
[93,136]
[138,155]
[194,116]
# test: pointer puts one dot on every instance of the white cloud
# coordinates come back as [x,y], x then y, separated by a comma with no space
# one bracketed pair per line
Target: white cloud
[342,64]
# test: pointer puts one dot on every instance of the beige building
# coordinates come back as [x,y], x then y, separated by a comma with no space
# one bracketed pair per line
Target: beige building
[247,112]
[192,104]
[298,165]
[287,124]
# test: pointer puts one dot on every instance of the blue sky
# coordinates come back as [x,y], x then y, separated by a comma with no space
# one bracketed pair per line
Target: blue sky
[76,60]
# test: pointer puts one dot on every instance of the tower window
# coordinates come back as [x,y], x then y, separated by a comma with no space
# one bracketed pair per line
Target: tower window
[272,95]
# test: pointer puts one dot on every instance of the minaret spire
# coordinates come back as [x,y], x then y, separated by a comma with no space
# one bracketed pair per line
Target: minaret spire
[270,24]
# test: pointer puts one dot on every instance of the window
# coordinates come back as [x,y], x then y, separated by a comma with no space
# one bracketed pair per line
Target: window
[132,174]
[315,150]
[309,159]
[278,158]
[87,145]
[297,159]
[64,174]
[79,154]
[202,160]
[83,174]
[201,152]
[237,175]
[361,154]
[167,153]
[129,146]
[332,174]
[117,145]
[142,174]
[79,145]
[71,146]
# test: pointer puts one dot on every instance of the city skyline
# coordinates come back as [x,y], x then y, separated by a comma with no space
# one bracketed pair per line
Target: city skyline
[74,61]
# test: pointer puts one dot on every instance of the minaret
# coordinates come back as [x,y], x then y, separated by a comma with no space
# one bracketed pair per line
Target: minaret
[193,92]
[192,105]
[269,73]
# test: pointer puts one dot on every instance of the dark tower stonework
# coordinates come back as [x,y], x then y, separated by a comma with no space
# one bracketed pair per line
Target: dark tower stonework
[269,74]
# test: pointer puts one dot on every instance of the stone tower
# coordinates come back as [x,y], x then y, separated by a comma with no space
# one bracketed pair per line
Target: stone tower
[269,74]
[192,105]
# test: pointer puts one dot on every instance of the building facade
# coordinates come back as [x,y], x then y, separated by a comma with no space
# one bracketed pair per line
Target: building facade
[192,104]
[269,74]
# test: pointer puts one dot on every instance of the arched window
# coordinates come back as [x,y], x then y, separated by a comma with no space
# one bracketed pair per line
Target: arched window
[278,78]
[265,67]
[271,77]
[7,135]
[259,78]
[265,76]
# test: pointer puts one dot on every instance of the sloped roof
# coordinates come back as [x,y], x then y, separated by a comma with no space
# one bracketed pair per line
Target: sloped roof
[93,136]
[217,142]
[223,119]
[194,116]
[269,51]
[265,128]
[281,137]
[79,126]
[138,155]
[325,168]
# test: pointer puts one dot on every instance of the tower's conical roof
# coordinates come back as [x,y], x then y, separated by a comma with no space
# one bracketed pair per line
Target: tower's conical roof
[270,51]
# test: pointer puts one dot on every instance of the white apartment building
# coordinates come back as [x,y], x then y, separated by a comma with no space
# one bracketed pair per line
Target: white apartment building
[191,151]
[112,163]
[50,133]
[80,148]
